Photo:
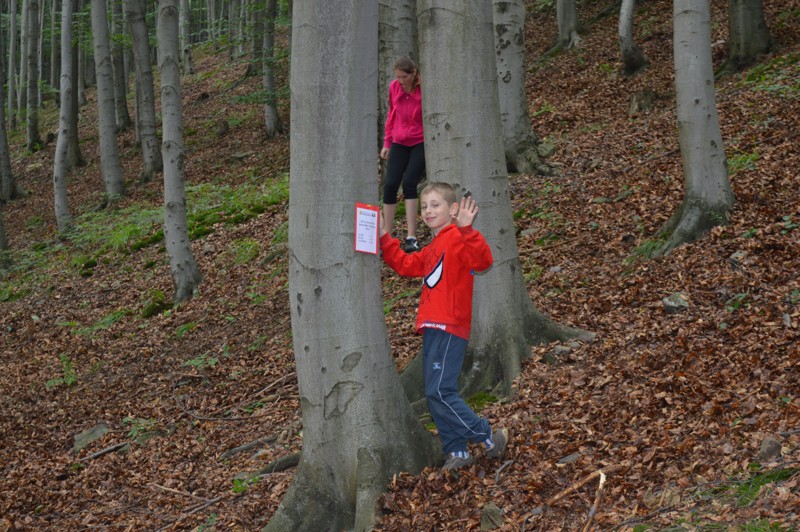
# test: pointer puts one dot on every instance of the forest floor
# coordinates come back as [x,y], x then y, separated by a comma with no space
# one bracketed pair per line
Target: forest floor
[677,409]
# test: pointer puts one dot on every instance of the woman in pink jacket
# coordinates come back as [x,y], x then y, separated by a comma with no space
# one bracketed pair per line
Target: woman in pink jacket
[403,145]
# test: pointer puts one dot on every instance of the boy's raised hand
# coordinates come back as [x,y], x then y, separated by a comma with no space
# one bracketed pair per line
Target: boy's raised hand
[466,212]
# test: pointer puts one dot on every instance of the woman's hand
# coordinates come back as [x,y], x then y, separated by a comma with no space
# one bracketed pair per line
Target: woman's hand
[384,153]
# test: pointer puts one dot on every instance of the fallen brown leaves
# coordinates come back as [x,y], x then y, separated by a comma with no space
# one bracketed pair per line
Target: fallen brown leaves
[670,406]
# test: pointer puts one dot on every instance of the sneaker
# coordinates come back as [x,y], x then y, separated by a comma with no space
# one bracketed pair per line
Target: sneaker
[453,462]
[411,245]
[500,439]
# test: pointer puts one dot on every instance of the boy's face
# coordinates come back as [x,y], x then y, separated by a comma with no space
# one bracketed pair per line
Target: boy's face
[436,212]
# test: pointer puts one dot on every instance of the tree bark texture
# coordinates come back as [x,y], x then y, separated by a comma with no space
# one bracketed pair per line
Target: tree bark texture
[519,139]
[632,58]
[3,238]
[34,140]
[8,184]
[272,121]
[123,118]
[258,38]
[74,157]
[185,273]
[567,17]
[12,61]
[748,35]
[111,167]
[54,48]
[358,427]
[187,64]
[708,197]
[463,146]
[66,86]
[22,93]
[151,153]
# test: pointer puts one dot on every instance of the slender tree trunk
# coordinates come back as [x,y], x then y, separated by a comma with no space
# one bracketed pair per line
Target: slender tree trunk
[185,273]
[61,163]
[186,38]
[464,147]
[22,93]
[272,121]
[519,139]
[81,77]
[257,57]
[144,79]
[12,69]
[632,58]
[118,64]
[708,197]
[748,35]
[3,240]
[74,156]
[8,185]
[567,15]
[233,28]
[40,53]
[34,140]
[109,154]
[54,43]
[358,430]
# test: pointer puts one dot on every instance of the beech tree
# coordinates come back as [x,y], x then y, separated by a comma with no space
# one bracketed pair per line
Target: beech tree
[123,118]
[185,273]
[519,139]
[632,58]
[358,429]
[185,22]
[463,146]
[272,121]
[8,184]
[32,51]
[145,94]
[111,166]
[567,18]
[74,156]
[12,69]
[748,35]
[708,197]
[66,87]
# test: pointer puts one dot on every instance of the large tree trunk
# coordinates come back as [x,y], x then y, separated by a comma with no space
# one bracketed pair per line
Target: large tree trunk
[748,35]
[8,185]
[567,17]
[632,58]
[519,139]
[358,427]
[118,62]
[187,65]
[708,198]
[34,139]
[111,167]
[463,146]
[185,273]
[153,161]
[272,121]
[12,69]
[61,163]
[397,37]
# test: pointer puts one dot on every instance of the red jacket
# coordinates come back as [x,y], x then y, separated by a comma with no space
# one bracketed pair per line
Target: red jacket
[447,266]
[404,118]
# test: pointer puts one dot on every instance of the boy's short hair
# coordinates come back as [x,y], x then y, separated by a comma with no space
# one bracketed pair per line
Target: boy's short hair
[445,189]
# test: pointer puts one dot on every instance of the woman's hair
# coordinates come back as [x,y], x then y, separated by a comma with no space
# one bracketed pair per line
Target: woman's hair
[407,65]
[445,189]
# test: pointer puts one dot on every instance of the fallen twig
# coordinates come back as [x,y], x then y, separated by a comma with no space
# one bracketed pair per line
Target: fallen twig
[579,484]
[101,452]
[596,505]
[194,511]
[177,492]
[260,442]
[281,464]
[501,468]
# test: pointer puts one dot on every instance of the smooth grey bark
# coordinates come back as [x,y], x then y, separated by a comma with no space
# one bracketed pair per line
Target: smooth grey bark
[463,146]
[567,17]
[358,429]
[22,93]
[183,266]
[123,118]
[272,122]
[34,140]
[708,197]
[110,164]
[632,58]
[187,64]
[74,156]
[257,55]
[81,59]
[8,184]
[397,37]
[40,53]
[54,43]
[61,161]
[748,35]
[519,138]
[233,28]
[12,61]
[146,114]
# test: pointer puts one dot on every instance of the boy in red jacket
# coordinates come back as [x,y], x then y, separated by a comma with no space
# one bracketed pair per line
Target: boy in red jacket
[447,266]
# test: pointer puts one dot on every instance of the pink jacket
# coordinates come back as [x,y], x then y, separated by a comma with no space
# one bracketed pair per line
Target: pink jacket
[404,119]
